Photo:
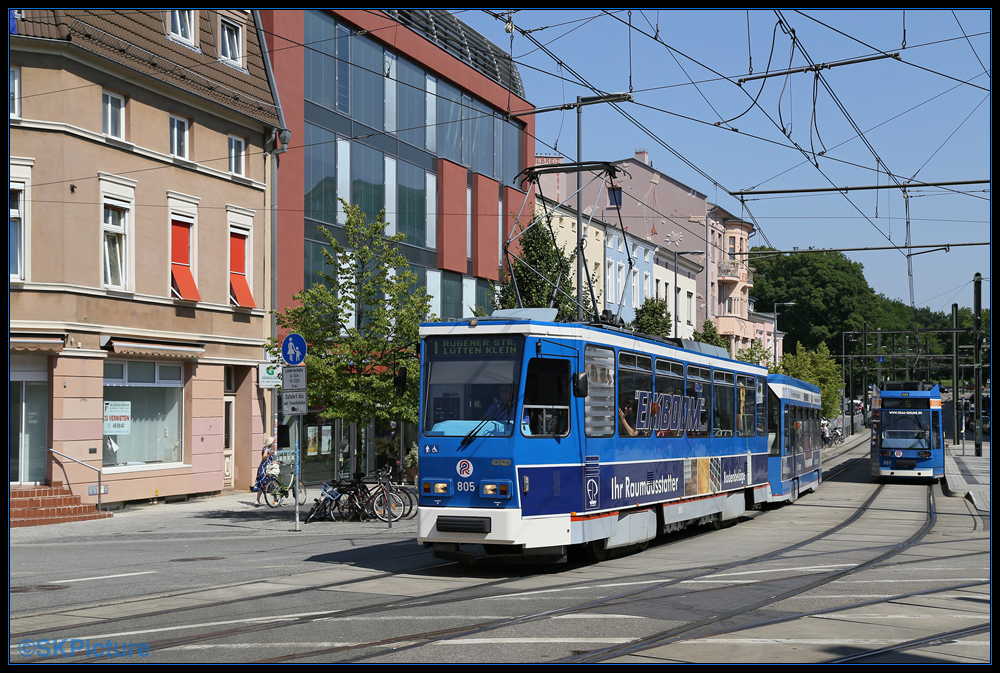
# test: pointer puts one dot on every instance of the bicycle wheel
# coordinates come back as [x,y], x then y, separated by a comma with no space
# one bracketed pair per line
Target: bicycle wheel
[349,507]
[316,512]
[272,492]
[409,497]
[384,511]
[301,493]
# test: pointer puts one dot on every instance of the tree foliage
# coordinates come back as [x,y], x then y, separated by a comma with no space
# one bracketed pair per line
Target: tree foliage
[757,354]
[710,335]
[830,294]
[361,325]
[819,368]
[543,272]
[654,318]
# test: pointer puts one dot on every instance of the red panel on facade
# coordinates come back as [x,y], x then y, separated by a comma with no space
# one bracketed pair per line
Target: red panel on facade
[451,239]
[183,283]
[238,286]
[485,227]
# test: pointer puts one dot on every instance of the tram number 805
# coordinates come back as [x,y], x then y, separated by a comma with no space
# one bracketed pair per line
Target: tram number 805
[466,486]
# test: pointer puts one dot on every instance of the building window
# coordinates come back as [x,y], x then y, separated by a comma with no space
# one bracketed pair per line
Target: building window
[231,44]
[113,113]
[143,413]
[182,25]
[179,137]
[14,90]
[182,283]
[115,229]
[239,285]
[237,155]
[15,250]
[614,197]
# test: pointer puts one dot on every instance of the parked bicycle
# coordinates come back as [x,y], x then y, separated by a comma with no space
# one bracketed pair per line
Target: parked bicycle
[324,506]
[276,489]
[358,502]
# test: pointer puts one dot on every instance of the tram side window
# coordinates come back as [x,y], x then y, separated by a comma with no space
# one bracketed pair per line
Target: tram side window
[546,398]
[699,402]
[669,404]
[762,400]
[725,404]
[746,406]
[635,382]
[599,405]
[773,424]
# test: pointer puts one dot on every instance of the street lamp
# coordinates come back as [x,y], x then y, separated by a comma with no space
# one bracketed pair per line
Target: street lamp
[677,321]
[580,102]
[775,335]
[580,270]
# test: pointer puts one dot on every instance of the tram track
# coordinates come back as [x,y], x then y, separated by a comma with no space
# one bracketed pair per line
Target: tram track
[413,641]
[419,640]
[374,649]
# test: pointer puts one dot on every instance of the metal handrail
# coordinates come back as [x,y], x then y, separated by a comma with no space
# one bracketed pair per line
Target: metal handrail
[96,469]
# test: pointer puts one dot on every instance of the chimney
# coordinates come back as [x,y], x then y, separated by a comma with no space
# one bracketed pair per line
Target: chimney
[643,156]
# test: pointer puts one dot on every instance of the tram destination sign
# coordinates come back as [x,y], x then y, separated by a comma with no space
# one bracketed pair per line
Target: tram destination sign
[491,347]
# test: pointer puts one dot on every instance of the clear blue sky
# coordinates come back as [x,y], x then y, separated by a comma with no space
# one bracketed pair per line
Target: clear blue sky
[924,116]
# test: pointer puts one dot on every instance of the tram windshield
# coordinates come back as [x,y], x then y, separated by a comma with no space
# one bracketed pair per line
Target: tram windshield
[471,385]
[905,429]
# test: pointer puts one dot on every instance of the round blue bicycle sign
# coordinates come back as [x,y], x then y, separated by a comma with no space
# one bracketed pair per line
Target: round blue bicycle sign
[293,349]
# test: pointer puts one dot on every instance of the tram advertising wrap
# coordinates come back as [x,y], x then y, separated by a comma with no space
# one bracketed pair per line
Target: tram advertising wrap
[538,439]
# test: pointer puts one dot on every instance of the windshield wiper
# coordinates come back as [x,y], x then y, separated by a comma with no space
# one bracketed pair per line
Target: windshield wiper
[490,416]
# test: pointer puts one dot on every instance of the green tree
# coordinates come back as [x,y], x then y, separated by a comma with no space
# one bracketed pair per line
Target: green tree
[830,293]
[653,318]
[710,335]
[543,272]
[756,353]
[361,325]
[819,368]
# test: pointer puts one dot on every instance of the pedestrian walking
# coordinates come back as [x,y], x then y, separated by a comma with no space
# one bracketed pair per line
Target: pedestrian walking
[267,458]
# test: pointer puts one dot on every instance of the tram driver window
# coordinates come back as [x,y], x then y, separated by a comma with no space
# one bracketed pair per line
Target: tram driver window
[547,394]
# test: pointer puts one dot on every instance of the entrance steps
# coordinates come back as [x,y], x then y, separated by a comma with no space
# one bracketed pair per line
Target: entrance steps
[43,505]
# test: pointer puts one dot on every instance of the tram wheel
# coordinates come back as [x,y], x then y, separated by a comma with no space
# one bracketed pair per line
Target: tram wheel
[597,550]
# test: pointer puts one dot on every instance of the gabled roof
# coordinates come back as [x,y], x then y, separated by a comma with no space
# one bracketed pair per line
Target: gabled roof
[139,40]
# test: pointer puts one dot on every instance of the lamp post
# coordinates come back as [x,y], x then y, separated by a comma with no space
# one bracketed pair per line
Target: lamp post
[580,102]
[775,335]
[677,321]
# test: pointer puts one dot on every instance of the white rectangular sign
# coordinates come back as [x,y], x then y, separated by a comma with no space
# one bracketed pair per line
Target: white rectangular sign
[269,375]
[117,418]
[293,378]
[294,403]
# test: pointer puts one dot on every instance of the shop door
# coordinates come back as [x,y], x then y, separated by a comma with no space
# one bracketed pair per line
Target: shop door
[27,427]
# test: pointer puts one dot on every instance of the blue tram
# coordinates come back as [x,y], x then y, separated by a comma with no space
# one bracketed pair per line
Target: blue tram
[539,437]
[907,432]
[794,441]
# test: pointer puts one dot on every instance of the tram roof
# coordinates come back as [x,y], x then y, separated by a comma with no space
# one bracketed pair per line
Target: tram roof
[536,322]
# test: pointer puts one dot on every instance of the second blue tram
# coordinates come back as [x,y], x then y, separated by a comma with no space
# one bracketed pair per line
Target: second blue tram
[907,433]
[794,438]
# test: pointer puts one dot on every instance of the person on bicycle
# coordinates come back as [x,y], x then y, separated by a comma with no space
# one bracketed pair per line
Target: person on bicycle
[267,457]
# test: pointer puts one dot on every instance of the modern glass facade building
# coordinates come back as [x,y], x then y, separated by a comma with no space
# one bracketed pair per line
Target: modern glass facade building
[406,111]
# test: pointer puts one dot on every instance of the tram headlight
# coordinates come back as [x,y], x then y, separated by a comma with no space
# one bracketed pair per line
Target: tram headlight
[433,487]
[923,454]
[496,489]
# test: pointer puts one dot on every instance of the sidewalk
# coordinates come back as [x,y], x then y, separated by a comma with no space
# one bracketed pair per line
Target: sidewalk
[968,475]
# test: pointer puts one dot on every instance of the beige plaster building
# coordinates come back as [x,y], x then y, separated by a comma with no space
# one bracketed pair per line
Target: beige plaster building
[139,234]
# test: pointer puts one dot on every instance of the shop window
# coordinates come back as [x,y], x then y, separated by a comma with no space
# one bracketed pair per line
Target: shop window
[143,413]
